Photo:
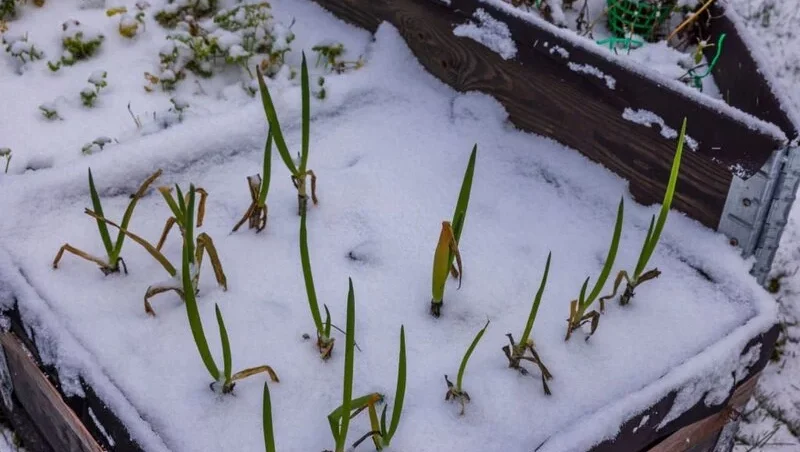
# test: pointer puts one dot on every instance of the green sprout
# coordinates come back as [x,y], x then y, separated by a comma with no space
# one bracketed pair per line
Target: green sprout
[382,436]
[328,56]
[225,380]
[181,209]
[577,308]
[324,339]
[299,172]
[449,239]
[339,419]
[6,153]
[266,421]
[95,146]
[20,47]
[78,43]
[259,187]
[49,110]
[113,249]
[88,96]
[456,391]
[516,352]
[653,234]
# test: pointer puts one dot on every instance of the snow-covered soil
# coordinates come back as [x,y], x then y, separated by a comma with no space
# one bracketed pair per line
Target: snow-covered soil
[389,144]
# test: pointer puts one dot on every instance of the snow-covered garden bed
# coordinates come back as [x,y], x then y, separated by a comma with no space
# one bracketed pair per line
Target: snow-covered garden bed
[388,146]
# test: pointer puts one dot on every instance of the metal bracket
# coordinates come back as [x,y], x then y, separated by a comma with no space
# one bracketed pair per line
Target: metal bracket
[757,209]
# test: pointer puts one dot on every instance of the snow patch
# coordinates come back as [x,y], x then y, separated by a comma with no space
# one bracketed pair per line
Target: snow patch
[490,32]
[100,427]
[591,70]
[648,118]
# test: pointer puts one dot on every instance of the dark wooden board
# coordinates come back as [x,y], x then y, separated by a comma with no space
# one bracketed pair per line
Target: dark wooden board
[542,95]
[113,426]
[737,68]
[638,434]
[64,431]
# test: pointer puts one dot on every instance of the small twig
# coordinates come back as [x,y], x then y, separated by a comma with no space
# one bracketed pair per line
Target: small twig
[135,118]
[689,20]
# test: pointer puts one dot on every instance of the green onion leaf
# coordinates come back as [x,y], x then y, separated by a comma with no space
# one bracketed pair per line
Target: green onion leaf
[274,123]
[101,225]
[468,354]
[226,345]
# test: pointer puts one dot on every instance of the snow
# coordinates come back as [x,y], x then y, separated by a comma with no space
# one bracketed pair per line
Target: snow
[389,145]
[102,429]
[648,118]
[591,70]
[489,32]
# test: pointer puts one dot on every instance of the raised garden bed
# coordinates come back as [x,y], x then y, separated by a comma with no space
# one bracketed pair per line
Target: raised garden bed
[389,144]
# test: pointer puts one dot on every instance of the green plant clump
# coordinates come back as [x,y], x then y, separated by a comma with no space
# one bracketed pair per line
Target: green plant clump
[199,247]
[176,11]
[449,239]
[638,276]
[113,249]
[21,48]
[245,35]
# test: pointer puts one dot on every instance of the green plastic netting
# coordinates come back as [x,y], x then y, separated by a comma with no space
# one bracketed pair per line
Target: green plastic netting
[640,17]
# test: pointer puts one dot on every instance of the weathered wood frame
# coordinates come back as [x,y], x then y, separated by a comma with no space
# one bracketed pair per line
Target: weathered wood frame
[543,95]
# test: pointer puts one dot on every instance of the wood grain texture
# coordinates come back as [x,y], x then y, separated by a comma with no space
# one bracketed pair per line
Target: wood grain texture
[59,425]
[542,95]
[702,435]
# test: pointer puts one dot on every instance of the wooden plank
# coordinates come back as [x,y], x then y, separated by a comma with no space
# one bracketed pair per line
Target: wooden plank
[542,95]
[642,431]
[59,424]
[705,432]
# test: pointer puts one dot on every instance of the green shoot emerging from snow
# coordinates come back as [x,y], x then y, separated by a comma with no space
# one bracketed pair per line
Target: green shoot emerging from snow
[457,392]
[339,419]
[266,421]
[449,237]
[328,56]
[516,352]
[259,187]
[113,249]
[224,380]
[577,308]
[382,436]
[653,234]
[324,339]
[183,211]
[299,172]
[6,154]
